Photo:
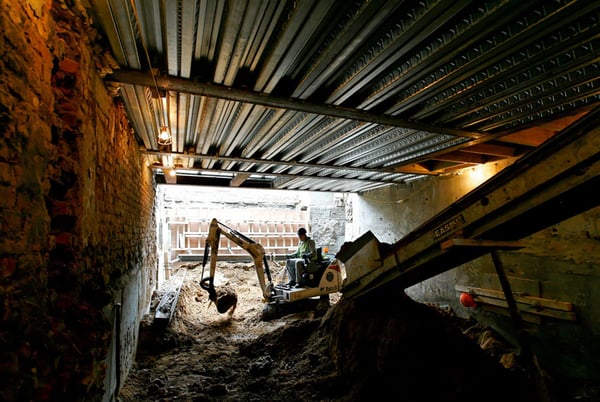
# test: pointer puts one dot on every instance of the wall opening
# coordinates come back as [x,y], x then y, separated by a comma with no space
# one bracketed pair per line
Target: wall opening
[269,217]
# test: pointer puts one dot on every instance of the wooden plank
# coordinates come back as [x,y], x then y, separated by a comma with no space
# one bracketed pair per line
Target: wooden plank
[492,149]
[519,285]
[523,299]
[531,318]
[168,302]
[239,179]
[525,308]
[461,157]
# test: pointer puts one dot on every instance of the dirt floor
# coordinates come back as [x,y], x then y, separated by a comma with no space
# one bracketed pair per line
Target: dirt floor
[383,346]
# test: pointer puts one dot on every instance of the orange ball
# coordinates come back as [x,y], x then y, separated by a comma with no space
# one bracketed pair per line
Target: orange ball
[467,300]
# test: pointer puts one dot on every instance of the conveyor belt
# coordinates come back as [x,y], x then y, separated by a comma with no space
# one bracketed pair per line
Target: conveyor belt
[554,182]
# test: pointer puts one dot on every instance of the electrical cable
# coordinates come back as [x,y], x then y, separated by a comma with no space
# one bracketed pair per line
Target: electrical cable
[163,124]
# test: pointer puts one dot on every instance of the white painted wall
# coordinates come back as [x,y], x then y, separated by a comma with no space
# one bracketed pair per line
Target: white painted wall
[394,211]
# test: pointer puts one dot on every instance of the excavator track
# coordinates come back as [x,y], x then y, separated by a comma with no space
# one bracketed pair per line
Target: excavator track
[276,310]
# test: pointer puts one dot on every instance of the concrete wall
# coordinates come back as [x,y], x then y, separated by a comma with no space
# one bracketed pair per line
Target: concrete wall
[560,263]
[394,211]
[327,219]
[77,225]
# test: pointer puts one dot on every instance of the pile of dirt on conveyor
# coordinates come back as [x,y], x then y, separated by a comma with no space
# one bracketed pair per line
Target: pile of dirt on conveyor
[378,346]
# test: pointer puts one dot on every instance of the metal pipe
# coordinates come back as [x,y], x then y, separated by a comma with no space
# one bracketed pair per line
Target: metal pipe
[117,324]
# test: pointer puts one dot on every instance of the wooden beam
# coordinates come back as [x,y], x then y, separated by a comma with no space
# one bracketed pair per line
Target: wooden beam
[532,137]
[415,168]
[462,157]
[438,167]
[166,308]
[492,149]
[170,175]
[535,136]
[488,244]
[536,302]
[525,308]
[239,179]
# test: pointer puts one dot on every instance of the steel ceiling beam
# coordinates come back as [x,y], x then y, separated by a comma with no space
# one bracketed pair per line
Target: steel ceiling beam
[410,169]
[181,85]
[237,178]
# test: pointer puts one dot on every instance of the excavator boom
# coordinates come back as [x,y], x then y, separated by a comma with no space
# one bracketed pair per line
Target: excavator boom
[255,250]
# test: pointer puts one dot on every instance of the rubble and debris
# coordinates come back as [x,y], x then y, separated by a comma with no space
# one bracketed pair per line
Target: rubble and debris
[168,302]
[402,349]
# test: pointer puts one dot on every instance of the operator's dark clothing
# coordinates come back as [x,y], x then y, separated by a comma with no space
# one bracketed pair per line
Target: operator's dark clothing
[295,262]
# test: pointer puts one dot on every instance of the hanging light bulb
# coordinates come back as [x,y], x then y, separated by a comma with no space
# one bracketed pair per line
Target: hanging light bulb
[164,136]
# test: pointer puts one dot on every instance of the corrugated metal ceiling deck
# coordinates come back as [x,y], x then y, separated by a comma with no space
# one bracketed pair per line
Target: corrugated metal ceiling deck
[345,95]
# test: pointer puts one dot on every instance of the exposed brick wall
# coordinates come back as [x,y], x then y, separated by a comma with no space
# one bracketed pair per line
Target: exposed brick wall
[76,206]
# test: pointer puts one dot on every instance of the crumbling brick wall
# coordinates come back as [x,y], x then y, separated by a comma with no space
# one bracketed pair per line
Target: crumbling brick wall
[76,206]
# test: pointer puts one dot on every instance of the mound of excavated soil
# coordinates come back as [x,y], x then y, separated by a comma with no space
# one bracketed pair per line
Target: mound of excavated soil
[378,346]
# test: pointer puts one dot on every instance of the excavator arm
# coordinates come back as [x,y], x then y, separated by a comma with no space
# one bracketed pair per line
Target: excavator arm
[253,248]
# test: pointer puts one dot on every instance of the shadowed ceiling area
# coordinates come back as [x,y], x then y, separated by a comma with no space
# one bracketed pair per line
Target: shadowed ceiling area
[348,96]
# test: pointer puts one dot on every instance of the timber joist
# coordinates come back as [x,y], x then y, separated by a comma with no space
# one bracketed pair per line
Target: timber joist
[528,305]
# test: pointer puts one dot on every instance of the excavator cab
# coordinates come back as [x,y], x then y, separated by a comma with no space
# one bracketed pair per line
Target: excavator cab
[313,270]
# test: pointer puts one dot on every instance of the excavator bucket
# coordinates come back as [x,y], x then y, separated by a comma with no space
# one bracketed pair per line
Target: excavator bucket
[225,298]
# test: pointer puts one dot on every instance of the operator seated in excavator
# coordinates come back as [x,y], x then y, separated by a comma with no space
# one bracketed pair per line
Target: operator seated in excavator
[304,265]
[296,262]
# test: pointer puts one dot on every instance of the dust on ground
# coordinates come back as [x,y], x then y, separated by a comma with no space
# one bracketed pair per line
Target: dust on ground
[204,355]
[400,350]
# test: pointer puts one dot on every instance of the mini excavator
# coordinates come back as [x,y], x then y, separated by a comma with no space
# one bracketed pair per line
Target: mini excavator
[322,277]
